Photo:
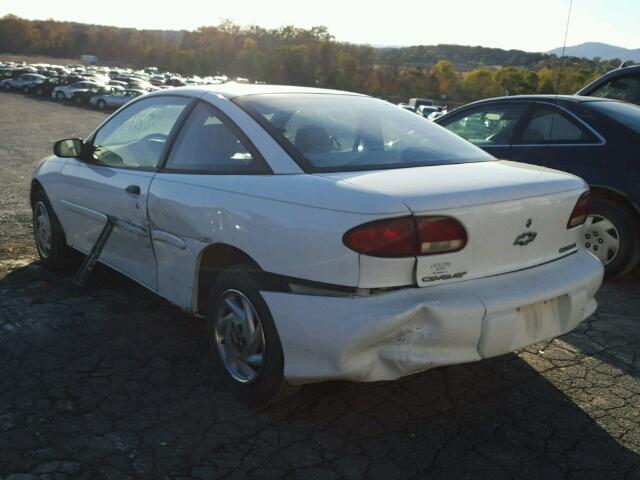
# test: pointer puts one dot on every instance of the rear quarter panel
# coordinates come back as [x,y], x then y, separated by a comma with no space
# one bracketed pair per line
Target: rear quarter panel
[289,224]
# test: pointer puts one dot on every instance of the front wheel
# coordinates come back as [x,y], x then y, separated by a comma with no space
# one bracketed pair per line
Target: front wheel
[611,234]
[244,340]
[60,95]
[102,105]
[50,239]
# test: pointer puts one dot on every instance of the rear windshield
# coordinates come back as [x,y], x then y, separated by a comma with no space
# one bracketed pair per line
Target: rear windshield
[333,133]
[625,113]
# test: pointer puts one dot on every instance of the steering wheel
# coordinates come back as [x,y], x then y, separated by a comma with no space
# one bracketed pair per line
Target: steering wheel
[151,146]
[336,143]
[155,137]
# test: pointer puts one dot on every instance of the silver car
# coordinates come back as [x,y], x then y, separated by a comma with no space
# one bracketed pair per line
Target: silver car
[115,99]
[23,82]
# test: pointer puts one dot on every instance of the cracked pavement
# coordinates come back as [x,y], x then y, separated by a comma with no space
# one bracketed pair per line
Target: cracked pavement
[112,382]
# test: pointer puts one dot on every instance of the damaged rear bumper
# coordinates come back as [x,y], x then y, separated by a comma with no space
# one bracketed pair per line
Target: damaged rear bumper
[390,335]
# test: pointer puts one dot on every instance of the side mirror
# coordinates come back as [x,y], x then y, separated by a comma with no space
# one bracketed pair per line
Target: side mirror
[69,148]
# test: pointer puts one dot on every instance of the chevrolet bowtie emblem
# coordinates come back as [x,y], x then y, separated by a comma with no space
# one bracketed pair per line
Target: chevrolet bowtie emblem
[525,238]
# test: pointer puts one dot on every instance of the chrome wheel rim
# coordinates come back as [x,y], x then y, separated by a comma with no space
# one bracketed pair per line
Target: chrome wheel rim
[42,229]
[601,237]
[239,336]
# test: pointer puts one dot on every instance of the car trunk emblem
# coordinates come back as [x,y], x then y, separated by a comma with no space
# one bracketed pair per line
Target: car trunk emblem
[525,238]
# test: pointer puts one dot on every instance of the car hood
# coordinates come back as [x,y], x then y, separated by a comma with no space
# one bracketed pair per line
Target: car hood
[452,186]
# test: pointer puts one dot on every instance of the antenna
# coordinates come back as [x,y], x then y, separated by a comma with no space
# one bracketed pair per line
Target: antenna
[564,46]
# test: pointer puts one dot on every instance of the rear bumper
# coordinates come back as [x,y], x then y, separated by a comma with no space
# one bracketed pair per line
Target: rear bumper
[387,336]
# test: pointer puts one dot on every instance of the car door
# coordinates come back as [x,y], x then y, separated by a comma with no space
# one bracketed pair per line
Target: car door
[114,99]
[113,181]
[554,137]
[490,126]
[120,98]
[22,80]
[210,159]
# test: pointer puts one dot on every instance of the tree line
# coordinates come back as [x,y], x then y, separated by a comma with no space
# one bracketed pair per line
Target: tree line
[310,57]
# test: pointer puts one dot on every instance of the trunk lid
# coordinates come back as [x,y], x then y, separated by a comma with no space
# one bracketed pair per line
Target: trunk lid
[515,214]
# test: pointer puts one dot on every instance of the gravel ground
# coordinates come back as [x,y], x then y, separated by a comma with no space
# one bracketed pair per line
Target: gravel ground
[113,382]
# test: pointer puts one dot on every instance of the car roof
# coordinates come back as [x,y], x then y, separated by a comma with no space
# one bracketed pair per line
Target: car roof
[541,98]
[562,100]
[233,89]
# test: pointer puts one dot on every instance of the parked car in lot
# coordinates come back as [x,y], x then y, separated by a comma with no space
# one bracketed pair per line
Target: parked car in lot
[425,110]
[621,84]
[44,89]
[22,82]
[83,97]
[115,99]
[65,92]
[597,139]
[324,235]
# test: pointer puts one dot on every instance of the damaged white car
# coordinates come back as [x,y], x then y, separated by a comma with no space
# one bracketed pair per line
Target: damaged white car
[323,234]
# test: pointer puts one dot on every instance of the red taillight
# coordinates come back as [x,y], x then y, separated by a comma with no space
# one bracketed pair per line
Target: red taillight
[407,237]
[580,211]
[395,237]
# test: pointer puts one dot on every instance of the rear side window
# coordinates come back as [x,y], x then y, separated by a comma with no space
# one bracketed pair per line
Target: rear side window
[624,88]
[548,126]
[488,124]
[210,143]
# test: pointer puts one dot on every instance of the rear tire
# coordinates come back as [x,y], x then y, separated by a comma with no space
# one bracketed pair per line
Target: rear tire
[26,90]
[51,242]
[102,105]
[612,233]
[60,96]
[78,100]
[252,384]
[7,87]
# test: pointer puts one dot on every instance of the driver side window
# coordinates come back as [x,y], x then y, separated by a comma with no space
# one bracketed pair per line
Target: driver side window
[488,125]
[136,137]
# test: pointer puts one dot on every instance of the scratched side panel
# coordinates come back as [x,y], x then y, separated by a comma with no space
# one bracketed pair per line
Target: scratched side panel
[282,236]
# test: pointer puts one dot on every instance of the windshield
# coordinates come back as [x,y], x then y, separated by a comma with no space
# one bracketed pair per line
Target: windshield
[325,132]
[625,113]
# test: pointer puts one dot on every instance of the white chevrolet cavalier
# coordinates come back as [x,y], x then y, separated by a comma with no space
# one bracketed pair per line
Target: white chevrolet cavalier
[325,235]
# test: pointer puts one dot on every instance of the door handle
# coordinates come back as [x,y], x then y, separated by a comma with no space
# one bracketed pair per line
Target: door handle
[133,189]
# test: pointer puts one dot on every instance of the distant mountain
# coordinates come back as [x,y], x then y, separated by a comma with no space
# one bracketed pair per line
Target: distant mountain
[604,51]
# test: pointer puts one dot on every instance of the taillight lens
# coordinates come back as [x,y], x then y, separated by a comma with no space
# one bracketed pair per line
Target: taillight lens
[407,237]
[395,237]
[580,211]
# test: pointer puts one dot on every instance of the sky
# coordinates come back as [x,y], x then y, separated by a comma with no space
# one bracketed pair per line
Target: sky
[531,25]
